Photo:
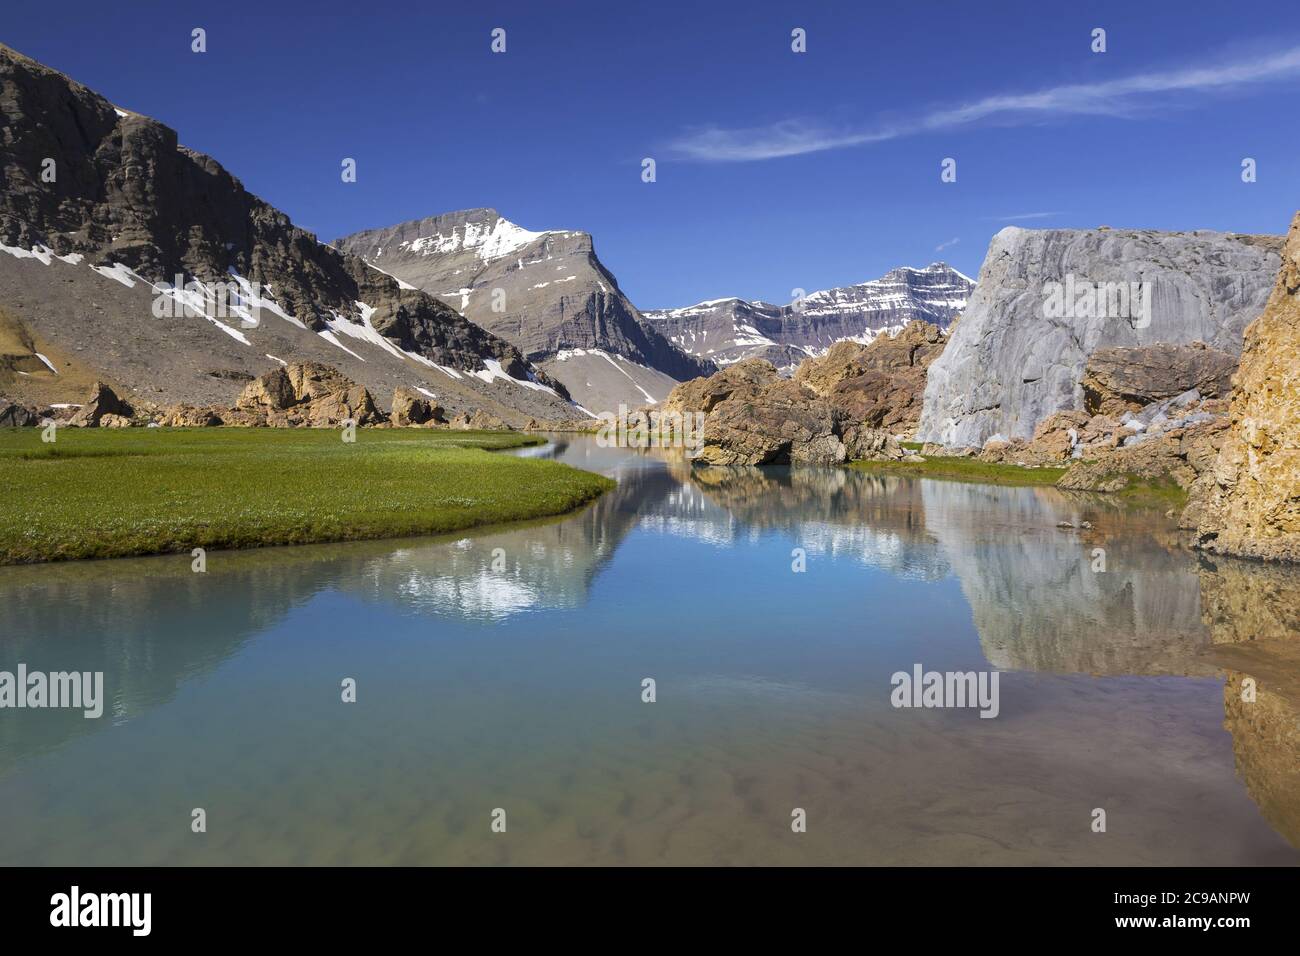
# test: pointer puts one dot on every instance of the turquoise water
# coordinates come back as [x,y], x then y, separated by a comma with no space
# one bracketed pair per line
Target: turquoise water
[503,670]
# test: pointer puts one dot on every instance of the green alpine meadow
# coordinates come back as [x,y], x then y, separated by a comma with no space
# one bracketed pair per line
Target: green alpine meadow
[107,493]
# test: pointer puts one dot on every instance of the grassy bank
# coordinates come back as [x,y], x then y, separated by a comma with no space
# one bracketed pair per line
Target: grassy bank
[1163,492]
[965,469]
[98,493]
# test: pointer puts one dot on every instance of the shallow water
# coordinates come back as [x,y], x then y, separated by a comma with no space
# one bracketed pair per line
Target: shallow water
[519,687]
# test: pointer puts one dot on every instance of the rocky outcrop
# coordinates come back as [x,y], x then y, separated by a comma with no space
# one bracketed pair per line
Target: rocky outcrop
[307,394]
[1249,504]
[101,404]
[742,380]
[1128,379]
[728,330]
[1179,455]
[412,408]
[882,384]
[1047,300]
[13,415]
[479,421]
[188,416]
[784,424]
[756,417]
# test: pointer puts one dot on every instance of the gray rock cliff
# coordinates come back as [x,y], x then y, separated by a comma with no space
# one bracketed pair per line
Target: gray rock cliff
[1047,299]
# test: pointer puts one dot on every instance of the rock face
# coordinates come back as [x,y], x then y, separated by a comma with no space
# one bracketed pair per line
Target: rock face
[1127,379]
[745,379]
[783,424]
[189,416]
[102,403]
[728,330]
[308,394]
[1249,503]
[87,260]
[412,408]
[1179,455]
[754,416]
[17,416]
[546,292]
[479,421]
[1047,300]
[882,384]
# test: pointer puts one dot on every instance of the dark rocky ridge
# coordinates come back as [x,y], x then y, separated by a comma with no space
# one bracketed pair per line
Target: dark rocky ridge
[127,192]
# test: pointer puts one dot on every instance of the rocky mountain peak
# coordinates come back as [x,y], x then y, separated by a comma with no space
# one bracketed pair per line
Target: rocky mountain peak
[547,292]
[730,329]
[129,207]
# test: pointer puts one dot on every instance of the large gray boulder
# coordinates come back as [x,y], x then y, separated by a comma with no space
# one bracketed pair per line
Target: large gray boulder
[1018,354]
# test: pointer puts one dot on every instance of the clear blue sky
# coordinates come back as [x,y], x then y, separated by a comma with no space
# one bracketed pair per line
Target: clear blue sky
[552,133]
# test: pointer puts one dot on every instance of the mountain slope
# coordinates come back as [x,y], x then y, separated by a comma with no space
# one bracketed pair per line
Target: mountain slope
[102,209]
[728,330]
[546,292]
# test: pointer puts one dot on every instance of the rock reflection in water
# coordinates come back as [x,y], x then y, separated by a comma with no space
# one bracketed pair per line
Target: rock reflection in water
[499,662]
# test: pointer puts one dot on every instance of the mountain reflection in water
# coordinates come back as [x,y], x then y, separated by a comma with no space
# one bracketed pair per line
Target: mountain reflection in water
[503,667]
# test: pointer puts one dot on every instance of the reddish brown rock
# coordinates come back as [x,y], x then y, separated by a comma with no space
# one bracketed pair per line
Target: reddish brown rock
[745,379]
[1250,503]
[1117,380]
[881,384]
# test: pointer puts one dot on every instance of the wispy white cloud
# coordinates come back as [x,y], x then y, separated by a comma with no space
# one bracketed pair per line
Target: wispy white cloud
[1024,215]
[1120,97]
[945,245]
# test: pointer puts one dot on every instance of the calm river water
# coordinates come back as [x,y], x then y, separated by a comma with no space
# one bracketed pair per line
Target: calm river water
[503,670]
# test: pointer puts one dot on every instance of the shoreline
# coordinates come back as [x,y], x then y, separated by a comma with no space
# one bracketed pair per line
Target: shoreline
[1139,491]
[101,494]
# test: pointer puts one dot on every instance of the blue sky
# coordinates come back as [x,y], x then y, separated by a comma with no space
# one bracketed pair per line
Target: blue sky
[1150,133]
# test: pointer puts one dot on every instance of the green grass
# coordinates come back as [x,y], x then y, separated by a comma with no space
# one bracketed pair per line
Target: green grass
[1164,491]
[966,469]
[99,493]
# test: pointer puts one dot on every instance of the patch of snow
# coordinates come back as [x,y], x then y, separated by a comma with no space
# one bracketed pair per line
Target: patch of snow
[366,332]
[333,339]
[37,252]
[274,358]
[495,371]
[425,392]
[118,273]
[566,354]
[401,284]
[489,241]
[48,363]
[258,302]
[233,332]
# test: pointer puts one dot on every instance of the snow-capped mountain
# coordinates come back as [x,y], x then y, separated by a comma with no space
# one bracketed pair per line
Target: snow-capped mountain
[545,292]
[728,330]
[89,264]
